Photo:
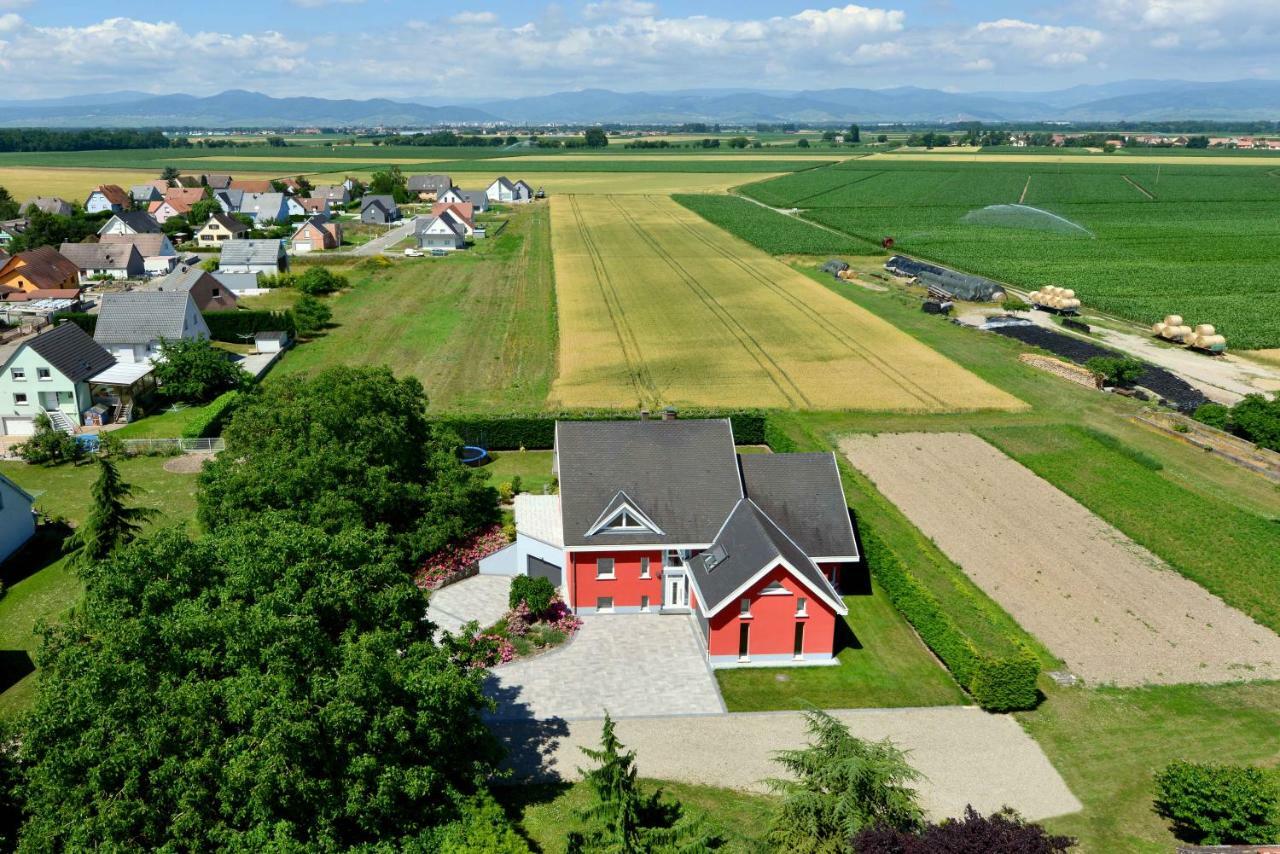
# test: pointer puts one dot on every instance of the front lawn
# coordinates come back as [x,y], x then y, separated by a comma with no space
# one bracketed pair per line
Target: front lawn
[532,467]
[883,664]
[168,422]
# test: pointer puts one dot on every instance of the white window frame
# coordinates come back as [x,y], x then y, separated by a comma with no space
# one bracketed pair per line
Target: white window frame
[775,589]
[645,571]
[802,606]
[601,607]
[613,568]
[19,375]
[744,609]
[24,400]
[44,375]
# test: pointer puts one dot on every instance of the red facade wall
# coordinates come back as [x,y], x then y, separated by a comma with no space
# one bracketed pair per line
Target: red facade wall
[626,587]
[773,620]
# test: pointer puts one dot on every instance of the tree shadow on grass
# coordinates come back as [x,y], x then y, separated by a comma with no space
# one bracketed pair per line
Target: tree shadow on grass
[43,550]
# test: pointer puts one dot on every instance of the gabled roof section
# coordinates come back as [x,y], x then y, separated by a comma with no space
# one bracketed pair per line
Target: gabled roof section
[16,488]
[140,317]
[748,546]
[45,267]
[623,516]
[139,222]
[70,350]
[265,251]
[682,474]
[802,493]
[100,256]
[148,245]
[112,193]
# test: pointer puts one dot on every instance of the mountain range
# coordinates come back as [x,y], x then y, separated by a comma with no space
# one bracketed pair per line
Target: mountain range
[1127,100]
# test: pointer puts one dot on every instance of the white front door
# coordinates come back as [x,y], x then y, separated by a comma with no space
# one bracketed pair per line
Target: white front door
[675,590]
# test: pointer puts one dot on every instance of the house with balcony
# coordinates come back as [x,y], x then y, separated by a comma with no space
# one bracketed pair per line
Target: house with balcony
[665,519]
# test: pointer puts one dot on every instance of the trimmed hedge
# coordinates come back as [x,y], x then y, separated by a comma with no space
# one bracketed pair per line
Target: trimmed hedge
[230,325]
[538,432]
[87,322]
[997,684]
[209,422]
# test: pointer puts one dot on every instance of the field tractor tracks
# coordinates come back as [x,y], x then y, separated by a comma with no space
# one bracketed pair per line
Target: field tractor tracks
[786,386]
[850,342]
[824,191]
[637,370]
[1025,187]
[1139,188]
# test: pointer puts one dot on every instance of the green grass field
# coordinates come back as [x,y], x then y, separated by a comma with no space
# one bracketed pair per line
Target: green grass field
[773,232]
[477,328]
[1134,238]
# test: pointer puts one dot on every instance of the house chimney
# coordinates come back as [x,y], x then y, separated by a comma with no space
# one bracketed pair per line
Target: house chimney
[669,414]
[644,414]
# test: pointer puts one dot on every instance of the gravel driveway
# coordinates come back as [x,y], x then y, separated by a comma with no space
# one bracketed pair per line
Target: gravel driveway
[627,664]
[1105,605]
[481,597]
[386,241]
[967,756]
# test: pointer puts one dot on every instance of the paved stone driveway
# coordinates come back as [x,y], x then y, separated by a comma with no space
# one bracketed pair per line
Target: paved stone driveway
[480,597]
[631,665]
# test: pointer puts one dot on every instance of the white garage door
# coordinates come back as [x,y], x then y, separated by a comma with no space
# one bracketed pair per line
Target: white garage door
[18,426]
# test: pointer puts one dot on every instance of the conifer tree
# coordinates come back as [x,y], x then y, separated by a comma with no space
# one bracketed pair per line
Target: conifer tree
[111,524]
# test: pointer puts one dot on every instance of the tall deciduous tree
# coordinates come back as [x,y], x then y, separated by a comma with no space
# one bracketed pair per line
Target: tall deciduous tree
[349,446]
[839,785]
[267,687]
[110,523]
[193,370]
[596,138]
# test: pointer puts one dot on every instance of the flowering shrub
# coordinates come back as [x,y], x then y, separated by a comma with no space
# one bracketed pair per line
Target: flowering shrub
[560,617]
[478,650]
[518,620]
[459,561]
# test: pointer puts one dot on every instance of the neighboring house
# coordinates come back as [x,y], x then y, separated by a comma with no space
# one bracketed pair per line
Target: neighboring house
[237,283]
[462,211]
[220,228]
[131,222]
[252,186]
[47,204]
[379,210]
[163,210]
[50,373]
[313,207]
[144,194]
[132,325]
[182,198]
[41,269]
[158,255]
[336,195]
[11,228]
[478,199]
[453,194]
[504,190]
[291,185]
[265,208]
[428,186]
[270,342]
[17,518]
[254,256]
[316,234]
[216,182]
[209,293]
[104,260]
[665,517]
[441,232]
[106,197]
[229,200]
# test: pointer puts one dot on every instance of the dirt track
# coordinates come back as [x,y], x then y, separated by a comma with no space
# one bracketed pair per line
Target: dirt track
[1106,606]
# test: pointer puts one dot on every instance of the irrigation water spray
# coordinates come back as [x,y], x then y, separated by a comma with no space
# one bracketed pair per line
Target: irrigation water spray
[1026,218]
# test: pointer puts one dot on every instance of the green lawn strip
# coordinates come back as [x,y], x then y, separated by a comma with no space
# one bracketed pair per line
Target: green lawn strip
[477,328]
[770,231]
[279,299]
[1107,744]
[532,467]
[1231,552]
[166,423]
[887,666]
[547,812]
[46,593]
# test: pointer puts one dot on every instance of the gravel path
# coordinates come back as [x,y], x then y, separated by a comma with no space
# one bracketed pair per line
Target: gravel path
[966,755]
[386,241]
[1106,606]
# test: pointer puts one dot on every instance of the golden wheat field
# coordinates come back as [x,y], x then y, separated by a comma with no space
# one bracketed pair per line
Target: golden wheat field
[658,306]
[72,184]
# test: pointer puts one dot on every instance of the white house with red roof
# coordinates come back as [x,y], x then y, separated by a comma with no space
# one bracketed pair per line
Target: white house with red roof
[665,519]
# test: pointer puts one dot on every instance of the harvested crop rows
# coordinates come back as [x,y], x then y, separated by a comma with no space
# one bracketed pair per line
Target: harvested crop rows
[658,307]
[1106,606]
[1177,237]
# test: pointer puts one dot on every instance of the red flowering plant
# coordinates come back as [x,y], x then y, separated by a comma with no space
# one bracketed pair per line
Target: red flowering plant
[461,560]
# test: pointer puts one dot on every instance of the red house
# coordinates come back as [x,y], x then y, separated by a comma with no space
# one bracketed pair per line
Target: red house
[664,518]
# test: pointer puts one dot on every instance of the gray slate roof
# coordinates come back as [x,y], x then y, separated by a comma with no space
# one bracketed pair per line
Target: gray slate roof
[142,316]
[428,183]
[236,281]
[250,252]
[388,203]
[749,542]
[101,256]
[72,352]
[682,474]
[802,493]
[48,204]
[140,222]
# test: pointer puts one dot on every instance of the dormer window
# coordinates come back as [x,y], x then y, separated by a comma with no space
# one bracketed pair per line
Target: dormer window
[624,521]
[623,517]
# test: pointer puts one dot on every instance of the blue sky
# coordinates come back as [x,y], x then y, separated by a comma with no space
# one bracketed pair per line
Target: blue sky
[437,53]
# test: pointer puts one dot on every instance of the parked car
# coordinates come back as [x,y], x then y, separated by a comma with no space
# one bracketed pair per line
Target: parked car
[438,253]
[413,253]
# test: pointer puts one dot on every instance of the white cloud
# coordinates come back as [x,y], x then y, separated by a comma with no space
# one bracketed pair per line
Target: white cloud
[474,19]
[1034,44]
[618,9]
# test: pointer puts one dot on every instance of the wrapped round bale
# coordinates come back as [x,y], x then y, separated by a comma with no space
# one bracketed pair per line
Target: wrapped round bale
[1205,329]
[1173,320]
[1158,328]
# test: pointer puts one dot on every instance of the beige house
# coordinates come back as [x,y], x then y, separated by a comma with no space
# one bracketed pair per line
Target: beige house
[220,227]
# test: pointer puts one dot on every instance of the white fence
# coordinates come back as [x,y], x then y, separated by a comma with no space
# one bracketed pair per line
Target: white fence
[187,446]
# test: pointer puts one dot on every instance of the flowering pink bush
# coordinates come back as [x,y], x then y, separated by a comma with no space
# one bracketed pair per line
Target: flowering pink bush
[461,560]
[518,620]
[559,616]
